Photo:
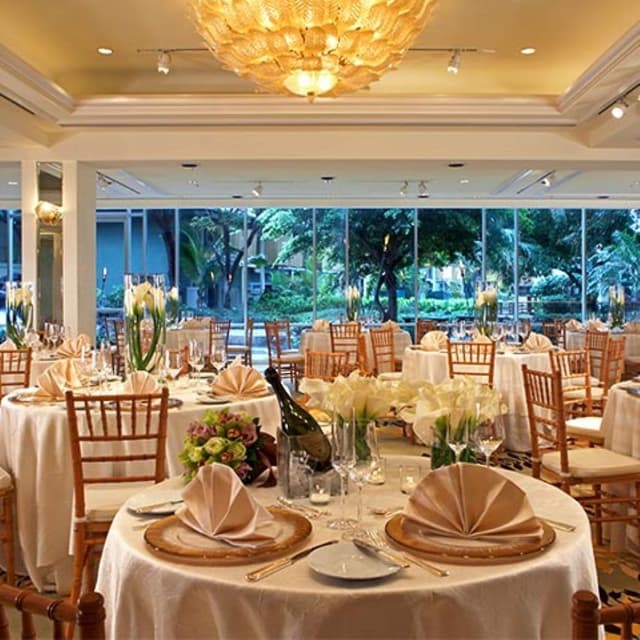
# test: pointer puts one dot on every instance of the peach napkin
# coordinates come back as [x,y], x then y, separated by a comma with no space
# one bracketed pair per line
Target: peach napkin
[537,343]
[239,381]
[596,325]
[195,324]
[140,382]
[73,348]
[59,377]
[7,345]
[390,324]
[473,502]
[476,336]
[573,325]
[434,341]
[320,325]
[219,506]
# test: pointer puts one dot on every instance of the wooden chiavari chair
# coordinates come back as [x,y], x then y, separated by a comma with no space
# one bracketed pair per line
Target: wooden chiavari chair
[474,359]
[115,335]
[244,350]
[344,339]
[288,362]
[324,365]
[592,468]
[587,616]
[219,331]
[383,350]
[595,342]
[88,616]
[577,383]
[101,428]
[15,370]
[424,326]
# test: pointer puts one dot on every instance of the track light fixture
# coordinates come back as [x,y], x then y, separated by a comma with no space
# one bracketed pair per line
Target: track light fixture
[423,192]
[256,192]
[103,181]
[164,62]
[454,63]
[404,188]
[619,109]
[619,105]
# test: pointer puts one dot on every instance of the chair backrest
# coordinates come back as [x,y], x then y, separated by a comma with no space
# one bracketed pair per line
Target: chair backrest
[88,615]
[382,347]
[475,359]
[219,335]
[324,365]
[613,363]
[15,370]
[248,333]
[595,342]
[545,409]
[424,326]
[116,438]
[561,332]
[115,333]
[574,368]
[344,339]
[278,334]
[587,616]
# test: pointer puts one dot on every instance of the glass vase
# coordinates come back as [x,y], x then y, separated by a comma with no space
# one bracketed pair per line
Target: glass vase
[145,318]
[486,308]
[616,306]
[19,298]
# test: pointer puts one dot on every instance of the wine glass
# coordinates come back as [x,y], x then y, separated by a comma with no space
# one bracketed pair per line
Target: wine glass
[343,457]
[196,356]
[489,436]
[458,438]
[218,357]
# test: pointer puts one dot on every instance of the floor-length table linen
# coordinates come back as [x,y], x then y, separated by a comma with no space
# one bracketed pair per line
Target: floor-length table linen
[576,339]
[507,379]
[152,598]
[35,449]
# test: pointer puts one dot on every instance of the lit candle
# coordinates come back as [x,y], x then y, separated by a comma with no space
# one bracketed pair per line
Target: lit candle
[319,496]
[408,484]
[104,273]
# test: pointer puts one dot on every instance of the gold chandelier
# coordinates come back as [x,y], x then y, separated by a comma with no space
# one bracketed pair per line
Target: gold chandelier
[311,47]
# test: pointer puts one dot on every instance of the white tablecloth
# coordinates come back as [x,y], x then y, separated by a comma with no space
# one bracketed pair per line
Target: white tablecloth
[321,341]
[34,448]
[177,338]
[507,378]
[151,598]
[575,340]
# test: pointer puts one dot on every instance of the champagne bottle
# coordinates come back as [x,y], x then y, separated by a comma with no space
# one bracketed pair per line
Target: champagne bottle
[301,429]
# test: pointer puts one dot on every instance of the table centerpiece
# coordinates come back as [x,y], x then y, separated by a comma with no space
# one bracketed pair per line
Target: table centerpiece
[352,303]
[486,308]
[19,297]
[616,306]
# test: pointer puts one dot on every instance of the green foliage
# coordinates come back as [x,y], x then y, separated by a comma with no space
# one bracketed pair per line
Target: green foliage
[555,284]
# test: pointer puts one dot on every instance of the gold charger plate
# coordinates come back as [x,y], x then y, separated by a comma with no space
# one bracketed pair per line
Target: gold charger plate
[471,552]
[30,397]
[173,540]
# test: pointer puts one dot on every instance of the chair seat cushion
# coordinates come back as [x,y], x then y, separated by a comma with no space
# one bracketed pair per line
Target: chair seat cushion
[238,348]
[5,480]
[102,501]
[586,427]
[291,356]
[593,463]
[579,394]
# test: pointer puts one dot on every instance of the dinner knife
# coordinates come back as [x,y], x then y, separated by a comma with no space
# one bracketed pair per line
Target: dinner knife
[282,563]
[389,557]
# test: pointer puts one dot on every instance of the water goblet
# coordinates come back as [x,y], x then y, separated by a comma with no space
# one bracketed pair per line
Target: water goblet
[343,457]
[218,357]
[489,436]
[458,439]
[196,356]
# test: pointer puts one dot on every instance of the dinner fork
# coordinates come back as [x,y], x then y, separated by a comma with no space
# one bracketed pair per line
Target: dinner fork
[378,539]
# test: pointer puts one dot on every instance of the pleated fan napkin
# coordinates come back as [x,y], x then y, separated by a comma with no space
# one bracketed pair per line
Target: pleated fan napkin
[72,348]
[320,325]
[537,343]
[219,506]
[480,337]
[597,325]
[239,381]
[434,341]
[473,502]
[59,377]
[573,325]
[140,382]
[390,324]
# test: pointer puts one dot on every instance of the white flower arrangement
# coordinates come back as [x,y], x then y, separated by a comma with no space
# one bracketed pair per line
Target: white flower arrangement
[486,308]
[352,300]
[19,311]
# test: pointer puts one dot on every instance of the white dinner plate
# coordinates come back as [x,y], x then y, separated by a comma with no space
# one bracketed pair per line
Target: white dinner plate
[166,502]
[212,400]
[346,562]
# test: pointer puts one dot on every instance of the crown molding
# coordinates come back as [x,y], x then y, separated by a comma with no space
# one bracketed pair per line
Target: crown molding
[258,109]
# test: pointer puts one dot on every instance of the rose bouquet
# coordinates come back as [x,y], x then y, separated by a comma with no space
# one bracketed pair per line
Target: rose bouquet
[486,309]
[229,438]
[19,312]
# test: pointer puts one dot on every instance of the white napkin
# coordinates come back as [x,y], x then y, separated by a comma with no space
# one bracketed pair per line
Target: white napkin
[59,377]
[390,324]
[72,348]
[573,325]
[474,502]
[140,383]
[596,325]
[219,506]
[537,343]
[8,345]
[320,325]
[195,324]
[239,381]
[434,341]
[476,336]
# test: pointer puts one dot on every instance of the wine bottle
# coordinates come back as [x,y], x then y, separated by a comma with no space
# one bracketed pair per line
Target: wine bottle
[301,429]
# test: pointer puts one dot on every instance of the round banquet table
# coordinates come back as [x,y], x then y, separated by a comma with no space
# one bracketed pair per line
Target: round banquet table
[321,341]
[149,597]
[433,366]
[35,449]
[575,340]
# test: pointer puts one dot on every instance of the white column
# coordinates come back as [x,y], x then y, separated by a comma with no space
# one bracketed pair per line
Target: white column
[79,247]
[29,199]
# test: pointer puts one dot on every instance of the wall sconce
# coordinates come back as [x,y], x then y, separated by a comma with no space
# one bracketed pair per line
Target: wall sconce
[48,213]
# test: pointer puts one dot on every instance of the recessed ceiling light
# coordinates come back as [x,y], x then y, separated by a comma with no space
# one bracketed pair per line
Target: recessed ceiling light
[104,51]
[527,51]
[456,165]
[618,109]
[12,183]
[465,181]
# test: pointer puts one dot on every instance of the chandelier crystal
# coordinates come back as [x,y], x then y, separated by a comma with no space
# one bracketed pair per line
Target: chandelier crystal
[311,47]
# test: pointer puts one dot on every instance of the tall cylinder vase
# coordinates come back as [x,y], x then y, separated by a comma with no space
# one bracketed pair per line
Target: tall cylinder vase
[486,308]
[19,297]
[145,318]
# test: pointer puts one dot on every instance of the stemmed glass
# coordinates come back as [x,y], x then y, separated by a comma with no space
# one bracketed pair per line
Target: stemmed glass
[458,439]
[343,458]
[196,356]
[173,362]
[218,357]
[489,436]
[363,467]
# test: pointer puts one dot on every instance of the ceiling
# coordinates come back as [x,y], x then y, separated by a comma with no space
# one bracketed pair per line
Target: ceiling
[63,100]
